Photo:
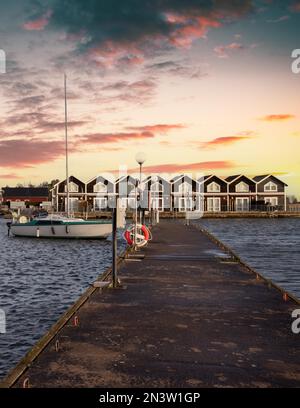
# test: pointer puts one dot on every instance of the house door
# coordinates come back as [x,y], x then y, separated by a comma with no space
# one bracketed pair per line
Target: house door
[213,204]
[185,204]
[242,204]
[157,203]
[73,204]
[100,203]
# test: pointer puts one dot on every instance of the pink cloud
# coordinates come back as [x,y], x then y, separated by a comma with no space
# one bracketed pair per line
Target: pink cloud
[277,117]
[158,128]
[223,50]
[295,7]
[191,29]
[19,153]
[224,141]
[99,138]
[183,167]
[10,176]
[135,133]
[38,24]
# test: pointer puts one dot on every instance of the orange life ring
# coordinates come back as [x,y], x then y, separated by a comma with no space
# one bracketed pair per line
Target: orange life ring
[128,234]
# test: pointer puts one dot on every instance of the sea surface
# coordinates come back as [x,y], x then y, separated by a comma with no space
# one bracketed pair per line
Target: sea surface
[269,245]
[40,279]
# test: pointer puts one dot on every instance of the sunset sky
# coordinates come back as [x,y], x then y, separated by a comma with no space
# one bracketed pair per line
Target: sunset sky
[200,86]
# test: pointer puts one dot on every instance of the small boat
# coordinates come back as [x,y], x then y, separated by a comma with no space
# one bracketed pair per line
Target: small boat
[60,227]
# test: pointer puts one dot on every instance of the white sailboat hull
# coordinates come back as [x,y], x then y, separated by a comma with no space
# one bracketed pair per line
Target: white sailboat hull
[77,231]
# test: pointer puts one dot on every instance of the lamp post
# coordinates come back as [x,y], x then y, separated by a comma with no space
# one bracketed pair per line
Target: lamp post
[140,159]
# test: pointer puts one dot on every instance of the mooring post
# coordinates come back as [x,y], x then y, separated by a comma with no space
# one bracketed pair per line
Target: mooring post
[114,247]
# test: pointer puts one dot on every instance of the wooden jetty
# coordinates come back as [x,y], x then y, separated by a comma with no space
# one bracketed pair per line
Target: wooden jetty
[188,314]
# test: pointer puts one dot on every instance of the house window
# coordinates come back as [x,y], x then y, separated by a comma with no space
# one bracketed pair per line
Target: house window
[213,204]
[157,188]
[100,188]
[100,204]
[73,188]
[270,186]
[213,187]
[242,187]
[185,188]
[272,201]
[73,204]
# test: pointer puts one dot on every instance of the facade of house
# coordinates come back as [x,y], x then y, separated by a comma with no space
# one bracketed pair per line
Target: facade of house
[211,193]
[126,188]
[241,193]
[100,193]
[271,191]
[185,193]
[77,194]
[27,195]
[215,193]
[158,191]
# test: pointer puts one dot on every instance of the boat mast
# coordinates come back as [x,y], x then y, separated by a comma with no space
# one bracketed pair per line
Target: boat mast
[66,141]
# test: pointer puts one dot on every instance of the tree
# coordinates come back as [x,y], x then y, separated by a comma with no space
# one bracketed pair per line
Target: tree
[292,199]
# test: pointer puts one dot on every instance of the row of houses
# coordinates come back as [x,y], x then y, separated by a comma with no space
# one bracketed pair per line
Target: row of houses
[210,193]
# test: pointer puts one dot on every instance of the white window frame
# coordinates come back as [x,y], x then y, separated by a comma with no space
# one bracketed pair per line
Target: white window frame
[73,187]
[244,199]
[185,188]
[213,187]
[239,189]
[267,200]
[213,204]
[100,187]
[157,203]
[186,204]
[72,200]
[267,187]
[102,201]
[157,187]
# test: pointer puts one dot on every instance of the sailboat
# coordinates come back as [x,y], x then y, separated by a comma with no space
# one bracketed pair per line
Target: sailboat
[58,226]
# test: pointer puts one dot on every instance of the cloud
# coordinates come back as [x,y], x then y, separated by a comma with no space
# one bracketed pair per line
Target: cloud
[279,19]
[135,133]
[277,117]
[223,50]
[39,23]
[103,138]
[126,32]
[10,176]
[20,153]
[295,7]
[223,141]
[177,68]
[162,129]
[184,167]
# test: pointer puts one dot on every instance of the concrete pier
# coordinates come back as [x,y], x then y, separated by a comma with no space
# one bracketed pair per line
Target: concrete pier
[188,315]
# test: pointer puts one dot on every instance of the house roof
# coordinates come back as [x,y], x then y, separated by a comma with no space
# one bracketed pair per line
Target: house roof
[128,177]
[258,179]
[231,178]
[109,179]
[25,191]
[176,178]
[204,178]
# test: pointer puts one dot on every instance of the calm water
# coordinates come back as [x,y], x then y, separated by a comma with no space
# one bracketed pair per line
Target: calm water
[40,279]
[271,246]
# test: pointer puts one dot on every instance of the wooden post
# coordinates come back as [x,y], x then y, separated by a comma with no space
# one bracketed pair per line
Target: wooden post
[114,247]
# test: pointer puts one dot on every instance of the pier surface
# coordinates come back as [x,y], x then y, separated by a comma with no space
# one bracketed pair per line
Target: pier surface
[187,316]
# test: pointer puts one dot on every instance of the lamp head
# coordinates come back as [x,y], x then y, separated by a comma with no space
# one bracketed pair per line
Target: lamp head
[140,158]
